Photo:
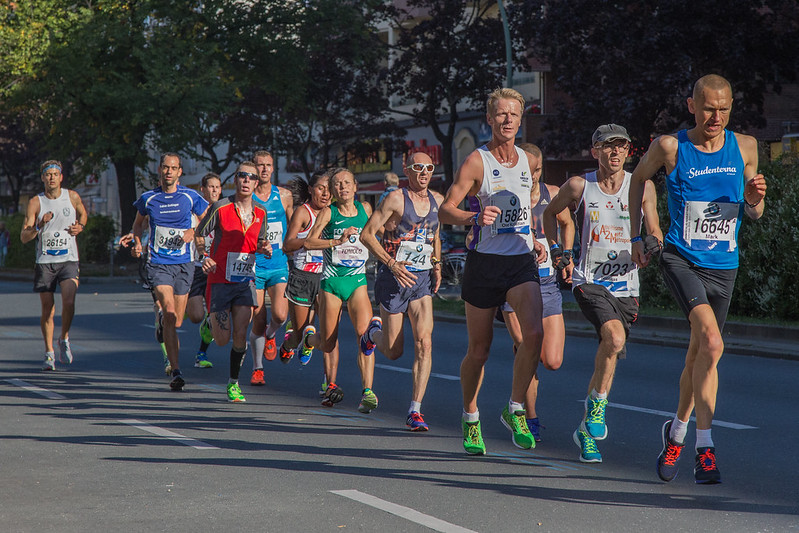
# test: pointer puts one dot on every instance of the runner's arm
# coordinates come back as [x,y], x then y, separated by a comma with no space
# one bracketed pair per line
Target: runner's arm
[754,182]
[298,222]
[29,227]
[314,240]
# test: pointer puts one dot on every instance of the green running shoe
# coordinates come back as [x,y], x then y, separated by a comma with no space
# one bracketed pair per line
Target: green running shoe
[517,424]
[368,401]
[589,453]
[201,361]
[234,393]
[205,331]
[473,438]
[167,364]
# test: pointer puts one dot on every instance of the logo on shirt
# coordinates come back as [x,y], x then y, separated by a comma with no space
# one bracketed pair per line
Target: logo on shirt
[66,211]
[593,216]
[694,172]
[610,234]
[496,172]
[609,205]
[593,205]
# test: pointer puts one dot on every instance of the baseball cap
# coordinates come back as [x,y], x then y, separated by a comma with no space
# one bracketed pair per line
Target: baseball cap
[608,132]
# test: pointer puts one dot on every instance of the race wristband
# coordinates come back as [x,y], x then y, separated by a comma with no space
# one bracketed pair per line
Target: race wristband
[554,247]
[752,205]
[635,239]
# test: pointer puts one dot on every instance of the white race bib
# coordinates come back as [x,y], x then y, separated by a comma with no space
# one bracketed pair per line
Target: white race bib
[416,253]
[515,216]
[275,236]
[351,254]
[610,265]
[169,241]
[545,268]
[55,242]
[240,267]
[710,225]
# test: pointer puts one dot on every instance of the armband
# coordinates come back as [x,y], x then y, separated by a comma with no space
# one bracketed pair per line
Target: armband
[637,238]
[553,247]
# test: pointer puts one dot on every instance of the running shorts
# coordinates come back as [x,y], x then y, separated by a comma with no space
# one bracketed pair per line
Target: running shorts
[198,283]
[48,275]
[303,287]
[226,295]
[268,278]
[487,277]
[179,276]
[599,306]
[343,287]
[395,298]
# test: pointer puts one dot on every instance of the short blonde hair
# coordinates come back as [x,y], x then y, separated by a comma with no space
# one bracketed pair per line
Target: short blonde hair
[391,179]
[503,93]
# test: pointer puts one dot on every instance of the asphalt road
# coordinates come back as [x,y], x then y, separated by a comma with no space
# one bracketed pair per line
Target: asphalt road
[105,445]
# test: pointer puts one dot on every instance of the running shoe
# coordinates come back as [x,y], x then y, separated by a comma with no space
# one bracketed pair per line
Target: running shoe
[535,428]
[234,393]
[177,382]
[323,389]
[205,331]
[49,361]
[305,354]
[705,471]
[167,364]
[517,424]
[368,401]
[64,352]
[270,349]
[669,456]
[201,361]
[594,423]
[367,345]
[285,355]
[307,332]
[415,422]
[589,453]
[332,395]
[257,377]
[473,438]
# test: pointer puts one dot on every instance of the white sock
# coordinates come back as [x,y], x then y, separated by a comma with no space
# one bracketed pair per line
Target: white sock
[678,430]
[271,329]
[415,406]
[257,343]
[471,418]
[703,439]
[597,396]
[513,407]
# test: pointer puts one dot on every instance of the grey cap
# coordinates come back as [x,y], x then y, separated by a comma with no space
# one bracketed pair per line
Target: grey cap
[608,132]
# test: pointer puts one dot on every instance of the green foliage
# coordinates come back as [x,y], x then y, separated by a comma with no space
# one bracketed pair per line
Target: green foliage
[19,255]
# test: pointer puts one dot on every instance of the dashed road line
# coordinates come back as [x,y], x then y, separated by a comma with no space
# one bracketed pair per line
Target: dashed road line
[448,377]
[50,395]
[721,423]
[171,435]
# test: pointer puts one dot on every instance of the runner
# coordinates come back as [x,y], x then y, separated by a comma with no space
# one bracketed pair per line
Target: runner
[169,209]
[712,181]
[271,273]
[605,282]
[239,228]
[409,276]
[336,231]
[211,189]
[499,265]
[54,218]
[554,328]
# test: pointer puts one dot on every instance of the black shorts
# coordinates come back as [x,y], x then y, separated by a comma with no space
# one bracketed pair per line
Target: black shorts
[692,285]
[302,287]
[488,277]
[395,298]
[226,295]
[46,276]
[599,306]
[198,283]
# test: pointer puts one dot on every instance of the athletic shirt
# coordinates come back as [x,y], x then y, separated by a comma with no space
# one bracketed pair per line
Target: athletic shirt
[170,216]
[604,222]
[706,196]
[198,257]
[54,243]
[412,239]
[276,215]
[546,272]
[348,259]
[308,260]
[234,244]
[508,189]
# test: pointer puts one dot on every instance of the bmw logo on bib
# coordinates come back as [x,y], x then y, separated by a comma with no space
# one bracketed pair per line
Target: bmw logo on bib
[353,239]
[612,255]
[419,248]
[513,200]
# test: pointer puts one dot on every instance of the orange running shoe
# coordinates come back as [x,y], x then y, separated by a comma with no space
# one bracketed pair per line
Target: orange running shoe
[270,349]
[257,377]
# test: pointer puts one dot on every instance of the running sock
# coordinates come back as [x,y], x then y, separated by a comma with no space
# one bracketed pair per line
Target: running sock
[679,430]
[415,406]
[703,439]
[236,358]
[597,396]
[471,418]
[231,381]
[271,330]
[514,406]
[257,343]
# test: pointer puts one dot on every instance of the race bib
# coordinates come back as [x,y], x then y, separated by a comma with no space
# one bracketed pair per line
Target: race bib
[545,269]
[515,216]
[275,236]
[710,225]
[240,267]
[610,265]
[55,242]
[416,253]
[351,254]
[169,241]
[314,260]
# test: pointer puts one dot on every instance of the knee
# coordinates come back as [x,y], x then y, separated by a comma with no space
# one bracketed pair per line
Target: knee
[615,338]
[713,346]
[477,355]
[551,363]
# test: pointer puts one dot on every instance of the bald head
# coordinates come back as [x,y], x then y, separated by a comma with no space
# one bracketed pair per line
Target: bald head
[712,82]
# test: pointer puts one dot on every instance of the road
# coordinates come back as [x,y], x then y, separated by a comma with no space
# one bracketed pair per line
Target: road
[105,445]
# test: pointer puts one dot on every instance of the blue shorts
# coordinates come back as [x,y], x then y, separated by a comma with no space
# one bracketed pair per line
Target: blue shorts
[269,278]
[226,295]
[179,276]
[393,297]
[551,298]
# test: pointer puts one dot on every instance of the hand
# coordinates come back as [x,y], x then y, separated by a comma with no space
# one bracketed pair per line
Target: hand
[188,235]
[209,265]
[403,277]
[436,277]
[561,258]
[349,232]
[47,217]
[540,252]
[489,215]
[755,190]
[652,246]
[264,247]
[75,228]
[638,253]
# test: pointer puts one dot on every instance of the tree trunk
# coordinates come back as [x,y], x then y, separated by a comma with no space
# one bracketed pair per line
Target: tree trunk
[126,180]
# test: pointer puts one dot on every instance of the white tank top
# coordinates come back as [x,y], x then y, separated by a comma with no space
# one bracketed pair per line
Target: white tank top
[54,243]
[604,223]
[508,189]
[308,260]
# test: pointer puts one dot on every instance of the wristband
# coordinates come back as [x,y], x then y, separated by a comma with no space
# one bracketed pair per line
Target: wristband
[752,205]
[434,260]
[474,219]
[553,247]
[637,238]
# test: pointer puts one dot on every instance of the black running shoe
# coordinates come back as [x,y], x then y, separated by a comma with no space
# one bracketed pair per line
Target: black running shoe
[177,381]
[333,395]
[669,455]
[705,470]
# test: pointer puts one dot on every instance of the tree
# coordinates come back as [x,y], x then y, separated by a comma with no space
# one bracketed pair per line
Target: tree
[19,158]
[634,63]
[448,56]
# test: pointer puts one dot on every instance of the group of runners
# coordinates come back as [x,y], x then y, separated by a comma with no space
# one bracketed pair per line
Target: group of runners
[306,247]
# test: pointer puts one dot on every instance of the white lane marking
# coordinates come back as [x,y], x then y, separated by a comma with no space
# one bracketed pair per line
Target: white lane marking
[152,326]
[8,333]
[50,395]
[408,371]
[721,423]
[407,513]
[161,432]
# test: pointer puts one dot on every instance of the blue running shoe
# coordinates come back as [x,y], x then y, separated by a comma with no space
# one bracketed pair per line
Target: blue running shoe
[669,456]
[535,428]
[367,344]
[415,422]
[589,453]
[201,361]
[594,423]
[706,472]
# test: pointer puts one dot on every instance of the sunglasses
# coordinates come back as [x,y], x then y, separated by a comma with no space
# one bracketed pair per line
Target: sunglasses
[419,167]
[247,175]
